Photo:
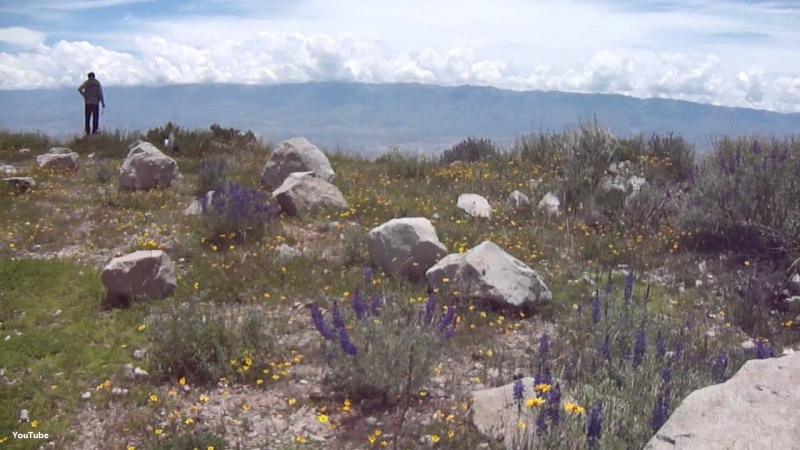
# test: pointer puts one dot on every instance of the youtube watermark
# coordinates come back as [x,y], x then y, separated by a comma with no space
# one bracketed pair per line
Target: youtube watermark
[30,435]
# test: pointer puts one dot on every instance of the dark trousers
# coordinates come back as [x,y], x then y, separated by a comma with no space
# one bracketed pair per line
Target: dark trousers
[93,112]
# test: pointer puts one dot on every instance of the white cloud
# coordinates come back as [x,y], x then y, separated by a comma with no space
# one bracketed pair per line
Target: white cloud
[21,36]
[697,51]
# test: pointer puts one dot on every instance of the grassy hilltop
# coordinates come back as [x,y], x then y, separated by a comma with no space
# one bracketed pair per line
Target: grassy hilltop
[671,280]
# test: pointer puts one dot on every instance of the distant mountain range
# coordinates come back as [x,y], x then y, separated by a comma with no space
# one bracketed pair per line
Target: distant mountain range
[365,118]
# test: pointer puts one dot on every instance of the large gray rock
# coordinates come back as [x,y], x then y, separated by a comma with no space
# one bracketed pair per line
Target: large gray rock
[406,246]
[141,275]
[758,408]
[295,155]
[474,205]
[146,167]
[303,192]
[58,162]
[487,272]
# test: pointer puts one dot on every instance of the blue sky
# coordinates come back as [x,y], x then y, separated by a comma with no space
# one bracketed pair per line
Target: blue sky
[728,52]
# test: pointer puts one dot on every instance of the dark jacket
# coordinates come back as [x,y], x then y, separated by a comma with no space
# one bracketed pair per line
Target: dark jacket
[92,92]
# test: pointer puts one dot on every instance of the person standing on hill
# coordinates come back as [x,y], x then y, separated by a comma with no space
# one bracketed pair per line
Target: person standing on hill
[92,93]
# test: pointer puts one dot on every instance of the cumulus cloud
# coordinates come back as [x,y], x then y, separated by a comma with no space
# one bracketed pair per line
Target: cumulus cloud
[569,45]
[21,36]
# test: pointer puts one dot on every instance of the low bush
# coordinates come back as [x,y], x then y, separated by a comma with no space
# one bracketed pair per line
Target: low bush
[472,149]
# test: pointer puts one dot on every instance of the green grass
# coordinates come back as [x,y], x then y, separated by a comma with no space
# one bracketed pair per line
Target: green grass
[67,353]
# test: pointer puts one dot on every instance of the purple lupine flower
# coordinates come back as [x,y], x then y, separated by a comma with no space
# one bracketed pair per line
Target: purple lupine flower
[596,307]
[719,368]
[541,425]
[594,425]
[430,309]
[678,351]
[544,346]
[639,348]
[554,404]
[449,331]
[628,292]
[358,305]
[661,409]
[764,349]
[605,349]
[319,322]
[344,341]
[367,275]
[336,316]
[447,318]
[666,374]
[661,345]
[690,323]
[519,391]
[375,305]
[546,378]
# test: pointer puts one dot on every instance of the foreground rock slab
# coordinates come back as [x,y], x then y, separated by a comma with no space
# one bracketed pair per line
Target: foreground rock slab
[758,408]
[295,155]
[406,246]
[487,272]
[497,415]
[141,275]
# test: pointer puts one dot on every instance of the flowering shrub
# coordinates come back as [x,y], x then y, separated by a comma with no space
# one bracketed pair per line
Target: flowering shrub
[236,214]
[376,350]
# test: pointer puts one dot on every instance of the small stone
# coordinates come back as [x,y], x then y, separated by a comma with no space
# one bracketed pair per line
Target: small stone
[698,283]
[23,416]
[372,421]
[316,396]
[435,216]
[748,344]
[87,395]
[303,382]
[139,372]
[186,388]
[127,371]
[139,354]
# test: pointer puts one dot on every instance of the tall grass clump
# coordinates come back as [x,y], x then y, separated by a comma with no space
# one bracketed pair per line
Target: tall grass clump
[210,174]
[236,214]
[584,155]
[198,143]
[204,343]
[406,165]
[108,144]
[472,149]
[744,196]
[11,142]
[377,350]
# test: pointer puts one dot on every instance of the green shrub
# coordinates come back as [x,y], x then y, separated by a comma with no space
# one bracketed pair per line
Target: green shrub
[378,350]
[671,159]
[103,170]
[538,148]
[471,149]
[354,246]
[744,198]
[585,155]
[205,342]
